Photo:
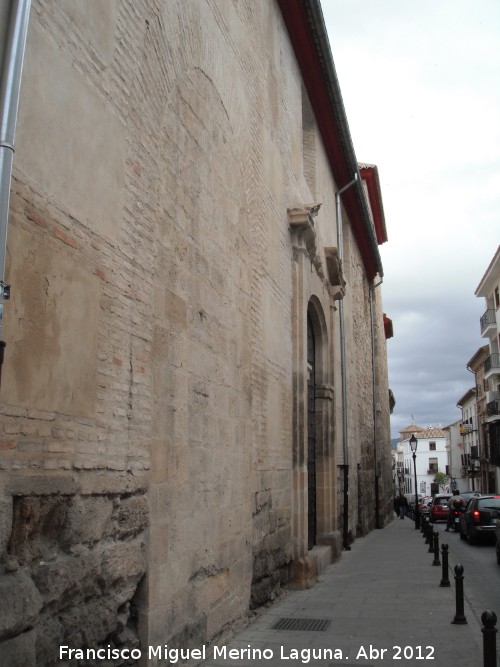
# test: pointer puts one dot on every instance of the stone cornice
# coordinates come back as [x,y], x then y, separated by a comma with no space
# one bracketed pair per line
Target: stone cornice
[304,239]
[325,392]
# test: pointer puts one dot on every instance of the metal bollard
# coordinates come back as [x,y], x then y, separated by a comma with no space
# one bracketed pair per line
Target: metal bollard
[445,582]
[436,560]
[489,619]
[428,533]
[459,589]
[430,550]
[423,524]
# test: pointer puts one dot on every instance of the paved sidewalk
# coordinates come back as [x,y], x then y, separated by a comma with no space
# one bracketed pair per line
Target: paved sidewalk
[382,594]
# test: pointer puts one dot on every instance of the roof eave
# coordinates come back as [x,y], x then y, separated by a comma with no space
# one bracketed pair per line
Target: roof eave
[489,276]
[369,173]
[478,357]
[469,394]
[306,28]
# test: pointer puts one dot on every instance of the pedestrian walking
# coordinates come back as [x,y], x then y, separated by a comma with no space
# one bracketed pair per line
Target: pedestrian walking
[396,505]
[402,506]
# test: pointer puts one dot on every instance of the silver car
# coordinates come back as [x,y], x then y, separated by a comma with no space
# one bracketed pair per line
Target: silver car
[424,505]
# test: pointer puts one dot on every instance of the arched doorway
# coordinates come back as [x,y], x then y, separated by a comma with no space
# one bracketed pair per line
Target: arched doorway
[314,472]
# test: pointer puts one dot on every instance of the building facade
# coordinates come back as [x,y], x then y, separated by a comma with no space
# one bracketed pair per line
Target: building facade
[194,399]
[456,469]
[476,366]
[489,289]
[469,442]
[431,458]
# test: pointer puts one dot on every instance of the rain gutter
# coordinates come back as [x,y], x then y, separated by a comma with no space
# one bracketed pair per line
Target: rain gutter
[374,394]
[343,366]
[10,84]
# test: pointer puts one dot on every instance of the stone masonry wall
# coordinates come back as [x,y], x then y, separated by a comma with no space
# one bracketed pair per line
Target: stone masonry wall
[367,440]
[75,398]
[146,403]
[71,575]
[148,253]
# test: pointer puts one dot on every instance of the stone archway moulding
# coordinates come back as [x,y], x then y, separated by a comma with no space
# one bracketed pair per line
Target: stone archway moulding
[316,283]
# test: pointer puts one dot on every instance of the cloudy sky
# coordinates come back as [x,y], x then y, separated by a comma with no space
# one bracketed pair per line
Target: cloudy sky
[420,81]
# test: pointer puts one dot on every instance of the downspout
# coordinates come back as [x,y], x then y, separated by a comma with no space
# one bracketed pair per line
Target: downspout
[10,83]
[374,387]
[343,372]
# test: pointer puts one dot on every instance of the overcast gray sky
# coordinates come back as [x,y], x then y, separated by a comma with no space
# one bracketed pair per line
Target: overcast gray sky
[420,81]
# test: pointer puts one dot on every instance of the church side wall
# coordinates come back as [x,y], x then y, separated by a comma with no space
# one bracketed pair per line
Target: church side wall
[151,489]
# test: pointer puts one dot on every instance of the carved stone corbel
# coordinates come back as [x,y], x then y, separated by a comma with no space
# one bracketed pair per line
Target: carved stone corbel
[301,221]
[335,276]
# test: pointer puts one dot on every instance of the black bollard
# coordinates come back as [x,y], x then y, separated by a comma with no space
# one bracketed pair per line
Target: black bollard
[430,550]
[436,560]
[459,589]
[489,620]
[428,533]
[445,582]
[423,525]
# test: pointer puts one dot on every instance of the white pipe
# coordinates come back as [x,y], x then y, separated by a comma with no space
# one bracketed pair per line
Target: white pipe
[374,392]
[343,373]
[372,331]
[340,249]
[10,83]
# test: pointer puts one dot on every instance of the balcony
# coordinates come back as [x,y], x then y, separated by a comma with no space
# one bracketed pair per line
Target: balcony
[495,453]
[488,322]
[493,408]
[492,365]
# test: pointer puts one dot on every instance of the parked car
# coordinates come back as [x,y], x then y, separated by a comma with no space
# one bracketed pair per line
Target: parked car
[467,495]
[480,518]
[497,536]
[410,497]
[424,505]
[439,507]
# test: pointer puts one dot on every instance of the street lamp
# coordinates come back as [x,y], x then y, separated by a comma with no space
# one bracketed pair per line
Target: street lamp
[413,447]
